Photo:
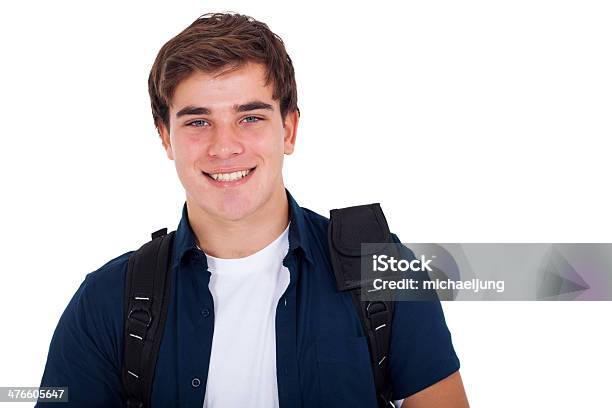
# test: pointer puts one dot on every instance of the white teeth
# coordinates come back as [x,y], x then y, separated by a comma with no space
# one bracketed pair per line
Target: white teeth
[237,175]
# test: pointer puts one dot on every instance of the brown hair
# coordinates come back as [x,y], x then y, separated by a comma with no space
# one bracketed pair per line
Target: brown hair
[221,42]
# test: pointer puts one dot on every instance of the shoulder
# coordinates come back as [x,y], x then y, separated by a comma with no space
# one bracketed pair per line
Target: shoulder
[316,232]
[98,306]
[315,219]
[101,294]
[315,224]
[111,275]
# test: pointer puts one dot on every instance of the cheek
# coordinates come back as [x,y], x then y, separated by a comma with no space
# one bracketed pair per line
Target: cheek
[187,160]
[187,150]
[270,146]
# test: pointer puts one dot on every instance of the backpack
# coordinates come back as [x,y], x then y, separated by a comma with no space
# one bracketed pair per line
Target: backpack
[147,293]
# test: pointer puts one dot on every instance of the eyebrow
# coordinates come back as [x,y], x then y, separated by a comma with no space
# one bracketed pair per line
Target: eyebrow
[245,107]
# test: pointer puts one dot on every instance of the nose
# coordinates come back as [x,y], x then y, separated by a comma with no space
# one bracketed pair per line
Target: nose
[225,143]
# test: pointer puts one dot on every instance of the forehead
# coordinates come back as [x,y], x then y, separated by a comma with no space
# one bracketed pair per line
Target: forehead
[224,89]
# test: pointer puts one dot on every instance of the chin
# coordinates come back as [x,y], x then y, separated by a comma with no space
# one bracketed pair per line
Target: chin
[231,210]
[231,213]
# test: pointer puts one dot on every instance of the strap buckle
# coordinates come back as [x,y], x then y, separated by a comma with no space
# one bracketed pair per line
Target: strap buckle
[375,307]
[140,315]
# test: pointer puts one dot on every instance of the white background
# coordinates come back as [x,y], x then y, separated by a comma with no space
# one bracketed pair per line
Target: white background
[471,121]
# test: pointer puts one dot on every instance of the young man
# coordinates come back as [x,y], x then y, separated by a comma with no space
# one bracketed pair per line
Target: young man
[254,318]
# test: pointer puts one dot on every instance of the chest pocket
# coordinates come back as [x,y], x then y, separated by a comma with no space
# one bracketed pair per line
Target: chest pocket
[345,374]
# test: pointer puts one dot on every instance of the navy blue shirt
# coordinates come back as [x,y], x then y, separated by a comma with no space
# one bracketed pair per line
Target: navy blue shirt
[321,353]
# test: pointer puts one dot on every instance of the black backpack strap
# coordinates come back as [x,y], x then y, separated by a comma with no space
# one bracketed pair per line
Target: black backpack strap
[348,229]
[146,297]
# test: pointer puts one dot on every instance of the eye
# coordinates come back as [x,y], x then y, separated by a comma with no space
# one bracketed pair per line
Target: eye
[197,123]
[252,119]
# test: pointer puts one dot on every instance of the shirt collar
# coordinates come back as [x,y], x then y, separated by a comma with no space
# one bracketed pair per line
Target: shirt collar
[184,240]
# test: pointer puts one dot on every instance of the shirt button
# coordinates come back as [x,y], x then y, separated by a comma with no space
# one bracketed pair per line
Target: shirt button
[205,312]
[195,383]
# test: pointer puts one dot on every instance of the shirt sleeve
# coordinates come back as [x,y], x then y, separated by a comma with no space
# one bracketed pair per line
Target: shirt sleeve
[421,352]
[82,356]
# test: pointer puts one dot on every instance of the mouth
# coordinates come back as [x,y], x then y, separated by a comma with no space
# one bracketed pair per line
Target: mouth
[224,178]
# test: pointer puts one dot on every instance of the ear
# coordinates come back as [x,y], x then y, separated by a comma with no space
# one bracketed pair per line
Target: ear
[290,129]
[165,139]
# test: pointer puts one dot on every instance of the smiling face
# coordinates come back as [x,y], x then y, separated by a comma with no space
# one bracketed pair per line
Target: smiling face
[227,139]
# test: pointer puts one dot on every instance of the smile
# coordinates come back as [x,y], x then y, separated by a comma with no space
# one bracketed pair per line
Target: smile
[229,178]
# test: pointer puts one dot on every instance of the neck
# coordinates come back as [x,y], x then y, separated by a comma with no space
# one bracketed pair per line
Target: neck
[247,235]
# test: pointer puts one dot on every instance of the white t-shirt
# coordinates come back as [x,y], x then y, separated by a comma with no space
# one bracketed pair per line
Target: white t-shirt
[246,291]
